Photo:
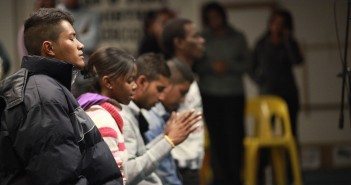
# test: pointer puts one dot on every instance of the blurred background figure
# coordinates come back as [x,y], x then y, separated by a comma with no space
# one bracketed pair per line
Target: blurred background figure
[22,51]
[153,26]
[4,62]
[275,55]
[226,60]
[182,41]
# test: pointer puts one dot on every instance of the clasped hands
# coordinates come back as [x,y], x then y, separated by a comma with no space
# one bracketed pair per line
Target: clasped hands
[181,124]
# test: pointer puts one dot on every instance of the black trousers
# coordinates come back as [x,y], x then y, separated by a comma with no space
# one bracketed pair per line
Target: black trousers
[224,117]
[189,177]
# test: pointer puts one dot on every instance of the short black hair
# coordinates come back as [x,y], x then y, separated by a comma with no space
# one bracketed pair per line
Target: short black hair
[175,28]
[43,25]
[152,65]
[180,72]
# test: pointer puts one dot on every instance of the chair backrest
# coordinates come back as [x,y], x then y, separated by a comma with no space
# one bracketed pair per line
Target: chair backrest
[271,117]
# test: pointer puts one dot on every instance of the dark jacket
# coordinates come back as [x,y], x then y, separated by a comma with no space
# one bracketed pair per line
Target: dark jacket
[45,136]
[5,60]
[273,66]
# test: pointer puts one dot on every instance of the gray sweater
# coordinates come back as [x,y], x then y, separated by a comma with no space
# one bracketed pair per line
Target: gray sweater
[142,159]
[233,50]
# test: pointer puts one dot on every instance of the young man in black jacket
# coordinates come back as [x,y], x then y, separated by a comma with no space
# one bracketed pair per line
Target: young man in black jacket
[45,137]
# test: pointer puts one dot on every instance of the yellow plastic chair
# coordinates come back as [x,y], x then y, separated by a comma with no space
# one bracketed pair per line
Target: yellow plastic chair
[275,135]
[206,170]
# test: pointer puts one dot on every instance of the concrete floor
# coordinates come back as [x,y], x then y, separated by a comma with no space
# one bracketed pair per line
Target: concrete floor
[327,177]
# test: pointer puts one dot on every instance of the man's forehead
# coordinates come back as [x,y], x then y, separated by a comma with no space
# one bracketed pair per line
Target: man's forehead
[161,80]
[67,27]
[183,84]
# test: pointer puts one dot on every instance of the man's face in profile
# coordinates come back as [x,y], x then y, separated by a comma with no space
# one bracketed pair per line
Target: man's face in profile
[67,47]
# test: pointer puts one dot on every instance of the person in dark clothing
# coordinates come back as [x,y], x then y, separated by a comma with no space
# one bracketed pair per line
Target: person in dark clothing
[154,22]
[45,136]
[275,55]
[221,71]
[5,62]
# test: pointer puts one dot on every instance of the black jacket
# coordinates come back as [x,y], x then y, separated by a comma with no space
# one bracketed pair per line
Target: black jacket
[273,66]
[45,136]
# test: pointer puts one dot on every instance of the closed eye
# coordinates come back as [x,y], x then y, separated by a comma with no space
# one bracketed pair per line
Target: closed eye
[160,89]
[72,36]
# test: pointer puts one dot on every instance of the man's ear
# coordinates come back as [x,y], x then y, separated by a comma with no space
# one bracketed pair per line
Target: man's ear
[141,82]
[48,49]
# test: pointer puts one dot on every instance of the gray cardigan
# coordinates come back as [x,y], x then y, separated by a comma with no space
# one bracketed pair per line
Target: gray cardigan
[232,48]
[142,159]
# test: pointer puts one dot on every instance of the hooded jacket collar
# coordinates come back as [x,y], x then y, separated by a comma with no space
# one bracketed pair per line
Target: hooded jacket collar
[87,100]
[57,69]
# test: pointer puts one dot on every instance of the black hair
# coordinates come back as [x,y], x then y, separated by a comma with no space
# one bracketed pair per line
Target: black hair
[151,16]
[180,72]
[111,62]
[175,28]
[152,65]
[288,21]
[213,6]
[43,25]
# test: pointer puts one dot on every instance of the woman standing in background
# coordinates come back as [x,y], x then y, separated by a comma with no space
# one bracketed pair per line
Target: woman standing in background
[275,55]
[226,60]
[154,22]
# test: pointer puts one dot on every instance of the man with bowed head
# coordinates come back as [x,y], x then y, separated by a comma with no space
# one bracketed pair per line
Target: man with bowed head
[152,78]
[173,95]
[46,137]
